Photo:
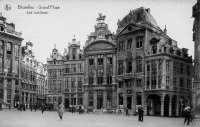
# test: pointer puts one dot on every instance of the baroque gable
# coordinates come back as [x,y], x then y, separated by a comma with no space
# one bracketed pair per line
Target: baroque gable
[100,46]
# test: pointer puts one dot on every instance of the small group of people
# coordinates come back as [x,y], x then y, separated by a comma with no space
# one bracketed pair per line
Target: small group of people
[140,113]
[81,109]
[188,115]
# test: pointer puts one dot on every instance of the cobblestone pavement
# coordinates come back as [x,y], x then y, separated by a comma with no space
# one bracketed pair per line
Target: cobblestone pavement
[15,118]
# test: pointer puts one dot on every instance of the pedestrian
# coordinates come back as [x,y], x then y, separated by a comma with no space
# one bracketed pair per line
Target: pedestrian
[126,111]
[35,107]
[140,114]
[187,115]
[43,108]
[79,110]
[60,110]
[31,107]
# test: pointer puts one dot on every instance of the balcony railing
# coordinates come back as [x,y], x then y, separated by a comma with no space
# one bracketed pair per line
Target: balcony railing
[130,75]
[169,88]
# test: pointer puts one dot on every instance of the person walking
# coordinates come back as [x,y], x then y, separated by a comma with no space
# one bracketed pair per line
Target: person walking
[126,111]
[43,108]
[79,110]
[35,107]
[187,115]
[60,110]
[140,114]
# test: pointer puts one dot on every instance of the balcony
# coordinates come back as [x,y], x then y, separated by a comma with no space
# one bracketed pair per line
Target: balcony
[167,88]
[130,75]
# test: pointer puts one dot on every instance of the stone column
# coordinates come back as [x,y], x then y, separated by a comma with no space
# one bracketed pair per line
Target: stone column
[104,70]
[76,99]
[24,98]
[12,92]
[95,73]
[95,99]
[86,71]
[28,103]
[5,90]
[114,69]
[124,100]
[170,105]
[104,99]
[144,103]
[177,105]
[114,98]
[85,99]
[163,84]
[162,105]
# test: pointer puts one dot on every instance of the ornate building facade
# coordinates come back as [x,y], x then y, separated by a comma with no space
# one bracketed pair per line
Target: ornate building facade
[100,68]
[196,39]
[10,43]
[42,83]
[55,77]
[28,93]
[73,74]
[152,70]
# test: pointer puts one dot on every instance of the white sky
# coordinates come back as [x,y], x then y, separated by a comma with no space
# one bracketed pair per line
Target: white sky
[78,17]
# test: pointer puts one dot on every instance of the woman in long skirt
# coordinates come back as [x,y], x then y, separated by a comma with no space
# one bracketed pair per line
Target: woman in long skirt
[60,110]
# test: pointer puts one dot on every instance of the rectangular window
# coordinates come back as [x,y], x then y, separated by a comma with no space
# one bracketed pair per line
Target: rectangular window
[67,68]
[16,50]
[174,82]
[59,72]
[159,64]
[121,46]
[148,82]
[181,82]
[90,98]
[188,70]
[167,81]
[109,59]
[120,84]
[167,65]
[100,59]
[91,60]
[139,98]
[73,82]
[154,48]
[153,82]
[188,83]
[139,65]
[109,78]
[100,76]
[139,82]
[9,48]
[80,67]
[121,68]
[139,42]
[73,68]
[148,66]
[128,83]
[79,82]
[181,68]
[120,99]
[67,83]
[129,67]
[129,44]
[153,67]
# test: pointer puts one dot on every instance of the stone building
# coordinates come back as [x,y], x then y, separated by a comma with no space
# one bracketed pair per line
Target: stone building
[55,77]
[28,65]
[152,70]
[42,85]
[100,68]
[10,43]
[73,74]
[196,39]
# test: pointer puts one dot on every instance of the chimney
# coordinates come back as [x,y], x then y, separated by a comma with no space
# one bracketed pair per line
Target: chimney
[165,30]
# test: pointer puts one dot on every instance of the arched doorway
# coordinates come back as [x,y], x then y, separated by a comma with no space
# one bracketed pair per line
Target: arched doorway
[174,104]
[153,105]
[166,105]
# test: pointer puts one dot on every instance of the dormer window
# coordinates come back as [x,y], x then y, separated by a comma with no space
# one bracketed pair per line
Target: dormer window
[80,56]
[139,42]
[74,56]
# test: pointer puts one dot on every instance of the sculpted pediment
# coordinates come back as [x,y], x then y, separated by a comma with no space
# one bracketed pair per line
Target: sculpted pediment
[129,28]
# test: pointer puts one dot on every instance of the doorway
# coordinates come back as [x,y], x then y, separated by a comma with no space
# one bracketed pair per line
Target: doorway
[129,102]
[66,102]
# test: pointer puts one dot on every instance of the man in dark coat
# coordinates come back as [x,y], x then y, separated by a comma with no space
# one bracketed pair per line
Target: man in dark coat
[187,115]
[140,114]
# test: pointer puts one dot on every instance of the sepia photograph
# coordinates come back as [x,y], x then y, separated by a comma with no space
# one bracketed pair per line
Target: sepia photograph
[99,63]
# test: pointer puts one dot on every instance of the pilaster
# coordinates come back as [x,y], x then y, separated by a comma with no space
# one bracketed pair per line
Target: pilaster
[95,99]
[114,69]
[12,92]
[170,105]
[5,90]
[162,105]
[104,70]
[105,99]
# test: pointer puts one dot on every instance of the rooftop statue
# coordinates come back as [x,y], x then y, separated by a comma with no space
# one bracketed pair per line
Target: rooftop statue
[101,17]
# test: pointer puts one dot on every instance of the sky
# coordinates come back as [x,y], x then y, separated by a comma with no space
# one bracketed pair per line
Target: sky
[78,17]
